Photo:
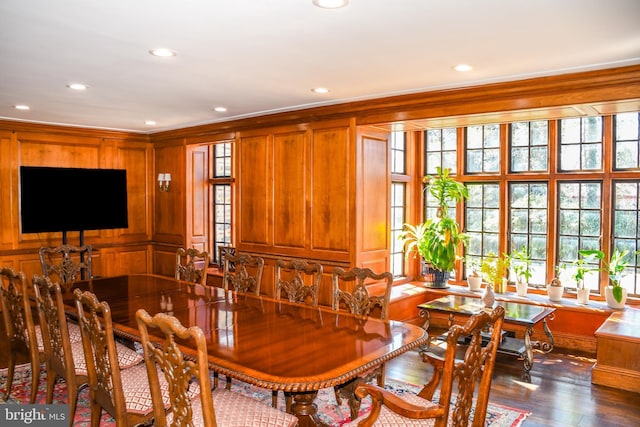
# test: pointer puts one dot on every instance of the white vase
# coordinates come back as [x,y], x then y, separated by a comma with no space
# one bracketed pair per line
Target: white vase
[611,300]
[475,283]
[583,296]
[521,288]
[555,292]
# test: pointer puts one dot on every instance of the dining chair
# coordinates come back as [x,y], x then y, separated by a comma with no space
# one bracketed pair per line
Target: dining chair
[481,335]
[64,355]
[298,281]
[191,265]
[219,407]
[246,275]
[64,263]
[20,328]
[118,381]
[350,292]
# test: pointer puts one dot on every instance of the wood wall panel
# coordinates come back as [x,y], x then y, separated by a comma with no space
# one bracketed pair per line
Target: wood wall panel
[332,190]
[372,241]
[8,190]
[254,191]
[136,160]
[197,192]
[290,195]
[169,212]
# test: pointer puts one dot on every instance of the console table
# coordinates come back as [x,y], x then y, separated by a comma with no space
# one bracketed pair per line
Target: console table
[526,315]
[618,346]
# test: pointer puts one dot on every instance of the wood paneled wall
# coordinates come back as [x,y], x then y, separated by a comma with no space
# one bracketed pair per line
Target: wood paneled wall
[117,251]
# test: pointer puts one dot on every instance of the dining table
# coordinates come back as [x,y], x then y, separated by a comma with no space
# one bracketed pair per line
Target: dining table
[269,343]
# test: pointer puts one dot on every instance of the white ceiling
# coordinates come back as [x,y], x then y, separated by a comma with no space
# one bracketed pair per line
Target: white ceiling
[262,56]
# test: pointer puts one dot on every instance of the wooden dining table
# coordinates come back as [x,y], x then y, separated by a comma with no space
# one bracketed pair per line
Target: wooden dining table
[269,343]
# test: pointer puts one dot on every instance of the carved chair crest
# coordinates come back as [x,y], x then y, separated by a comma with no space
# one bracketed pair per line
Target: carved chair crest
[247,275]
[359,301]
[60,261]
[294,286]
[191,265]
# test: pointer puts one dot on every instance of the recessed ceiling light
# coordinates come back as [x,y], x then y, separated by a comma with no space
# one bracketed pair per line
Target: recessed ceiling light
[463,67]
[21,107]
[150,122]
[163,52]
[320,90]
[77,86]
[220,109]
[330,4]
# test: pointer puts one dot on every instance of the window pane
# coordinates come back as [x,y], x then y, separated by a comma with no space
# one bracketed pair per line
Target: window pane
[482,148]
[398,150]
[581,144]
[529,142]
[579,225]
[627,141]
[482,215]
[441,147]
[626,226]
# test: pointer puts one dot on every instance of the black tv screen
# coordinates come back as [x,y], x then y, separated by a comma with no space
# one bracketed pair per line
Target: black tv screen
[72,199]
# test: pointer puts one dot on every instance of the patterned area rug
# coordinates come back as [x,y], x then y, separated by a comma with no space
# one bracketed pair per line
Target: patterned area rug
[328,411]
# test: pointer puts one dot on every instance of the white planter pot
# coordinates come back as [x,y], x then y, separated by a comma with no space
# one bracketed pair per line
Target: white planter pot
[521,288]
[555,293]
[583,296]
[475,283]
[611,300]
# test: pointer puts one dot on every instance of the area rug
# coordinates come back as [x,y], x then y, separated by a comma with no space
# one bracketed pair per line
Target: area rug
[328,411]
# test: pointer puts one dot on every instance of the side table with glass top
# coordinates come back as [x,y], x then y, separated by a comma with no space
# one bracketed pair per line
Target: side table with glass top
[526,315]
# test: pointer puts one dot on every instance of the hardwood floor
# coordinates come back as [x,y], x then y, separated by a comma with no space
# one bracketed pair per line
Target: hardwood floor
[559,392]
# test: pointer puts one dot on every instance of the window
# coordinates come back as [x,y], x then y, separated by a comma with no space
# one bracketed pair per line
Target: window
[482,219]
[398,145]
[221,197]
[626,228]
[483,148]
[529,146]
[528,225]
[579,225]
[568,184]
[581,144]
[627,140]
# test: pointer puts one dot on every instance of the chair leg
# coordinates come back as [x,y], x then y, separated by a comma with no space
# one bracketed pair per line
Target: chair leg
[35,379]
[51,382]
[10,373]
[274,398]
[288,398]
[228,385]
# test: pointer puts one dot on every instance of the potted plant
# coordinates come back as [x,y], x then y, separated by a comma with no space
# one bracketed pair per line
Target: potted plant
[494,269]
[520,263]
[555,289]
[615,294]
[579,268]
[438,239]
[474,279]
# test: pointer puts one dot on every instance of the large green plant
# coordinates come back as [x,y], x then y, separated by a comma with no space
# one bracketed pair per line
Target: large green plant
[437,239]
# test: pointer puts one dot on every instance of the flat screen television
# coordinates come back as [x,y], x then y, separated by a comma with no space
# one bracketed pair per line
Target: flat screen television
[72,199]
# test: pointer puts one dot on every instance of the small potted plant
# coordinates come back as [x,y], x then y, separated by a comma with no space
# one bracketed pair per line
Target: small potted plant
[555,289]
[438,239]
[615,294]
[520,263]
[579,268]
[494,269]
[474,279]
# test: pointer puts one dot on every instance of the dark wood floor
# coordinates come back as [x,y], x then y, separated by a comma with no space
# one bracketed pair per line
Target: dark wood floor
[559,392]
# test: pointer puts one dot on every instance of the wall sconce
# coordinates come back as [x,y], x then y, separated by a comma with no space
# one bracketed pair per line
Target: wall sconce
[164,181]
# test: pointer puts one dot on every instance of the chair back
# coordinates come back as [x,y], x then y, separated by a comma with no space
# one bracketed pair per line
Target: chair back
[479,337]
[64,263]
[298,280]
[56,339]
[247,273]
[16,310]
[96,329]
[191,265]
[178,370]
[350,291]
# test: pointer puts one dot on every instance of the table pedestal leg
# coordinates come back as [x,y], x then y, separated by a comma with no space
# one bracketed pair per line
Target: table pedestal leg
[304,408]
